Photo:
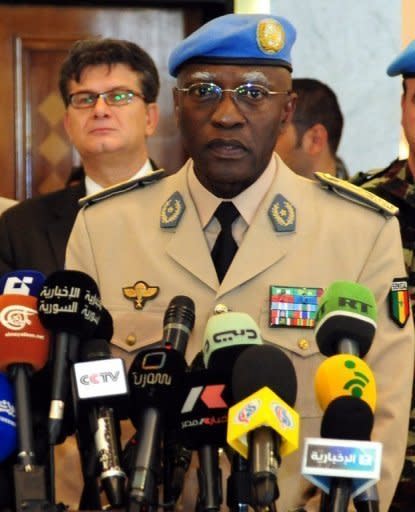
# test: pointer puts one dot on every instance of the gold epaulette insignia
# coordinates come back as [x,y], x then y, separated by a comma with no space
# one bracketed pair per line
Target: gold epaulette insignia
[356,194]
[123,186]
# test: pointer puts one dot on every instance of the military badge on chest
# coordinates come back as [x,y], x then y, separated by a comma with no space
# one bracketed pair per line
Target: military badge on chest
[140,293]
[293,306]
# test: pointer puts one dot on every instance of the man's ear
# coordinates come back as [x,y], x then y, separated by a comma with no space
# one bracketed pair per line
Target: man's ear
[152,118]
[315,139]
[288,111]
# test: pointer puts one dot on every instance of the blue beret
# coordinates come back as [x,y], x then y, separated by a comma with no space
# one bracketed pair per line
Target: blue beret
[238,39]
[404,64]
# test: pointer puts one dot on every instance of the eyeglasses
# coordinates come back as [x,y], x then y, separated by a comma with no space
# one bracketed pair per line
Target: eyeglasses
[115,98]
[245,94]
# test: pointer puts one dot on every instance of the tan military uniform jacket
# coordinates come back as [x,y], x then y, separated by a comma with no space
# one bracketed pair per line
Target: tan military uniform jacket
[119,241]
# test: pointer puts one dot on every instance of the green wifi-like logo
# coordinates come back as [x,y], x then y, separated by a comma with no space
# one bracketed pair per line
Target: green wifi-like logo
[356,385]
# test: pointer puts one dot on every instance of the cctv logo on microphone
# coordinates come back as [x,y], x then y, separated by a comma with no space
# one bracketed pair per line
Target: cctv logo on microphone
[103,378]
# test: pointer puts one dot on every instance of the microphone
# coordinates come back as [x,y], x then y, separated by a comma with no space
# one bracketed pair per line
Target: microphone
[155,378]
[344,375]
[346,319]
[8,429]
[262,426]
[24,346]
[346,418]
[178,322]
[69,305]
[22,282]
[100,383]
[226,336]
[346,390]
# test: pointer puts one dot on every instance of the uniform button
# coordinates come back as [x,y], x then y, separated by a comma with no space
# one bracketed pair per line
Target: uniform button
[220,308]
[303,344]
[131,340]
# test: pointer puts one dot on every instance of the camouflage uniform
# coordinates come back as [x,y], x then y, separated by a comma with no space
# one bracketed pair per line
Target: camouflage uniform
[396,185]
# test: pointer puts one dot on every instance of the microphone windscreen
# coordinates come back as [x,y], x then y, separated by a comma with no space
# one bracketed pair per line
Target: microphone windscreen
[23,339]
[155,380]
[345,375]
[95,349]
[105,328]
[226,335]
[22,282]
[203,406]
[8,430]
[347,417]
[70,302]
[347,310]
[180,310]
[264,365]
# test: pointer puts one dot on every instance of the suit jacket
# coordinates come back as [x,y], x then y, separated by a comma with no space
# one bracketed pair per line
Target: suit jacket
[124,239]
[34,233]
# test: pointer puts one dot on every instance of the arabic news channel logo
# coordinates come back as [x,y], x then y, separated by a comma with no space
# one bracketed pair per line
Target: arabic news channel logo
[245,414]
[283,416]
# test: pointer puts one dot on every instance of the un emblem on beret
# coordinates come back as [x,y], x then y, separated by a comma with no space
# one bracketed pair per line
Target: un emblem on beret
[270,36]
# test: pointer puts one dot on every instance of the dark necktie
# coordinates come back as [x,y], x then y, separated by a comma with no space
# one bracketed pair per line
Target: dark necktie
[225,246]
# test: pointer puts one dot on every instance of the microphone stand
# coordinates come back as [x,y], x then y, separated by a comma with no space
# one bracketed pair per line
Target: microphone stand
[339,497]
[239,484]
[30,479]
[210,480]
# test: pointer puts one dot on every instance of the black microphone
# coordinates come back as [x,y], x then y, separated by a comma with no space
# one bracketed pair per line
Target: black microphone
[154,378]
[69,306]
[258,369]
[349,418]
[101,389]
[226,336]
[178,322]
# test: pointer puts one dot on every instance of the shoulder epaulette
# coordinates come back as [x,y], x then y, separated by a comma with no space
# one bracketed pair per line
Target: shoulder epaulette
[356,194]
[123,186]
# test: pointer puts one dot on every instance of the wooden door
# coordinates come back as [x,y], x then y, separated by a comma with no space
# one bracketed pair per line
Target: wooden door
[35,154]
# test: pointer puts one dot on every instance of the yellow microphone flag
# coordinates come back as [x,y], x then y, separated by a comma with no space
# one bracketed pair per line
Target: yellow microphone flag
[262,409]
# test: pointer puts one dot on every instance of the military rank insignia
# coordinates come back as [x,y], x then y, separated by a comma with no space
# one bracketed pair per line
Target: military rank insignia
[282,214]
[172,211]
[293,306]
[140,293]
[399,301]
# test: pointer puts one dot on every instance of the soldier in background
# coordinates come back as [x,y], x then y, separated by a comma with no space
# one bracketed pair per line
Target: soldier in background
[310,141]
[396,183]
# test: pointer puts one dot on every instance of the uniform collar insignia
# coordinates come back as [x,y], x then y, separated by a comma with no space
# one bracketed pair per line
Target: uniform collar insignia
[140,293]
[172,211]
[282,214]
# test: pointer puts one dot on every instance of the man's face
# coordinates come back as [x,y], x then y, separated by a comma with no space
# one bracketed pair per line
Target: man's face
[104,129]
[408,114]
[230,141]
[291,149]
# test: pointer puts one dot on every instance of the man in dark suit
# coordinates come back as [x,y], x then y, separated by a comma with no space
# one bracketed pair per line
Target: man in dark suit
[109,88]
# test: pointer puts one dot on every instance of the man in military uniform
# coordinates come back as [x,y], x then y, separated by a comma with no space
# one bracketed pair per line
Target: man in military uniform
[396,184]
[233,98]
